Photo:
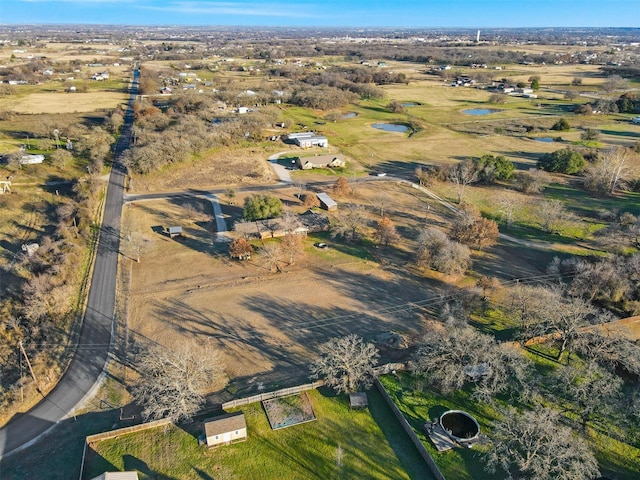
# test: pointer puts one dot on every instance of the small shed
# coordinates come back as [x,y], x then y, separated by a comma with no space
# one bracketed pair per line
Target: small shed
[117,476]
[225,429]
[327,202]
[31,159]
[358,400]
[175,231]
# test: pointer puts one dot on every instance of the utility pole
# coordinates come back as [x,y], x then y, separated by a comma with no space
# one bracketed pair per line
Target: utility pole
[29,365]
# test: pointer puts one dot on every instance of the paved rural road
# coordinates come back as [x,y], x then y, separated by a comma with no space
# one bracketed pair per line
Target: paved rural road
[95,336]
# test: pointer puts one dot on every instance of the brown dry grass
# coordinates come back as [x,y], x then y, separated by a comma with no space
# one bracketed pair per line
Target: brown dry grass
[64,102]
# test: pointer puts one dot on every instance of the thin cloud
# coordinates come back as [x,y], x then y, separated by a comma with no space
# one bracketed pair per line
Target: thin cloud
[236,8]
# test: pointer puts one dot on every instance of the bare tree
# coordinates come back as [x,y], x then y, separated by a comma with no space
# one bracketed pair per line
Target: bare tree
[508,206]
[605,174]
[173,382]
[552,215]
[291,247]
[436,251]
[381,201]
[452,356]
[349,223]
[231,195]
[470,228]
[613,83]
[535,445]
[533,181]
[135,245]
[273,256]
[385,233]
[60,158]
[346,363]
[462,175]
[589,392]
[300,187]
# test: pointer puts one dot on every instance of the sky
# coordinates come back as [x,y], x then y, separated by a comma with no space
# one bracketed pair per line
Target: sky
[327,13]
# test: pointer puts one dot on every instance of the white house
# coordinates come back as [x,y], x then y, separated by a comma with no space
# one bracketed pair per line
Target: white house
[308,139]
[225,429]
[117,476]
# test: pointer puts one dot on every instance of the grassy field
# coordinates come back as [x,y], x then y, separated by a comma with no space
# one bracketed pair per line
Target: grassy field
[370,442]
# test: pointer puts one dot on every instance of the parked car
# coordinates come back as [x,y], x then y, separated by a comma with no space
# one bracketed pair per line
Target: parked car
[636,120]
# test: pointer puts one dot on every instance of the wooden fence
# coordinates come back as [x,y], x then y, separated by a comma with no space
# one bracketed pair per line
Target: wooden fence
[116,433]
[407,428]
[278,393]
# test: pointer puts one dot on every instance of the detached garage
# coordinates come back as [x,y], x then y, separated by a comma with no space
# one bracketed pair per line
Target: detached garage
[225,429]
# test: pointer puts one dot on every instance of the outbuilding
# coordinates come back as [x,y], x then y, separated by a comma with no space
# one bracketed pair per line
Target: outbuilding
[327,202]
[117,476]
[225,429]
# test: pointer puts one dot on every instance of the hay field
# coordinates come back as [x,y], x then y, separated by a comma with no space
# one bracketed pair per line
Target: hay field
[64,102]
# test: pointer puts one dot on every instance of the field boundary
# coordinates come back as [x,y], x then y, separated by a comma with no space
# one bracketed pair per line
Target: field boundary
[269,395]
[98,437]
[407,428]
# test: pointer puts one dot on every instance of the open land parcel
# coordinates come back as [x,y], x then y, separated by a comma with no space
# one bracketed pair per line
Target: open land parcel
[267,326]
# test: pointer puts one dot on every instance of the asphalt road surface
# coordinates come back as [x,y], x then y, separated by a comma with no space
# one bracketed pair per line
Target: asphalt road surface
[96,332]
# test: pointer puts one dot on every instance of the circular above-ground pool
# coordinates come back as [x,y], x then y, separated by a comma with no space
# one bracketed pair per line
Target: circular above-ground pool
[480,111]
[460,426]
[391,127]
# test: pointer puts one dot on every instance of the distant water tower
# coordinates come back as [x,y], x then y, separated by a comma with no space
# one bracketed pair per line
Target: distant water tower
[478,37]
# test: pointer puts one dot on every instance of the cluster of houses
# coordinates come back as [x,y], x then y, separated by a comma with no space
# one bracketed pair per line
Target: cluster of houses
[513,91]
[101,76]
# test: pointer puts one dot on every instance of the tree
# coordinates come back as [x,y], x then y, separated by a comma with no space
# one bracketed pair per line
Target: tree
[562,161]
[273,256]
[261,206]
[533,181]
[605,174]
[300,187]
[535,445]
[341,187]
[470,228]
[385,233]
[453,356]
[461,175]
[491,168]
[590,135]
[231,195]
[173,382]
[291,246]
[589,392]
[346,364]
[381,201]
[535,84]
[436,251]
[552,215]
[498,98]
[396,107]
[311,200]
[576,82]
[60,158]
[135,244]
[613,83]
[241,249]
[561,125]
[348,223]
[508,205]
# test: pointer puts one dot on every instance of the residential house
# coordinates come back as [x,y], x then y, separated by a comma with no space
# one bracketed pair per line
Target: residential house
[225,429]
[320,161]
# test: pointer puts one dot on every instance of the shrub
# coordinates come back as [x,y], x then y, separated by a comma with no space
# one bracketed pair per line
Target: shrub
[561,125]
[261,206]
[562,161]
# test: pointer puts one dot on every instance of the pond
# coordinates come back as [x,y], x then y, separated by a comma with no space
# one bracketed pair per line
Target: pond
[349,115]
[545,139]
[391,127]
[480,111]
[410,104]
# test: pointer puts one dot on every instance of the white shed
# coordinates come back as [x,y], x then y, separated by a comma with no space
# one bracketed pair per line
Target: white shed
[226,429]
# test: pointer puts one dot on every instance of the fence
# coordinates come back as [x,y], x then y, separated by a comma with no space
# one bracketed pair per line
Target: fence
[116,433]
[412,435]
[278,393]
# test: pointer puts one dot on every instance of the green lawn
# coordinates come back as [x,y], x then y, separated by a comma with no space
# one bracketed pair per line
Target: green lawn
[307,451]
